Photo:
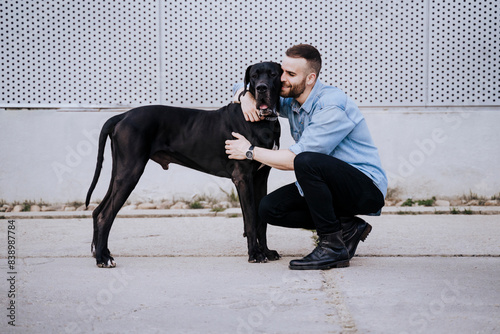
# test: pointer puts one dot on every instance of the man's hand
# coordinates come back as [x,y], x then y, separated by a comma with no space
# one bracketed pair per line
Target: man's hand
[280,159]
[237,148]
[248,106]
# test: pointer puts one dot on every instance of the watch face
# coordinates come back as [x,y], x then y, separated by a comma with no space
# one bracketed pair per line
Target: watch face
[249,154]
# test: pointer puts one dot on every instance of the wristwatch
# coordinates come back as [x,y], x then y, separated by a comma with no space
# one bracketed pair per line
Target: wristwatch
[249,153]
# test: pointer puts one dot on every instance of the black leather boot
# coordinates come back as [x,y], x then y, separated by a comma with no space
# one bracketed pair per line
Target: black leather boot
[330,253]
[354,229]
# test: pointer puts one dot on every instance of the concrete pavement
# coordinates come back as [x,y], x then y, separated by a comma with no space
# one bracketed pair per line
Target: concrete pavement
[415,274]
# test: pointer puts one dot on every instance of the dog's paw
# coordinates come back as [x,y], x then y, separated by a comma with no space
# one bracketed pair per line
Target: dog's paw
[272,255]
[109,263]
[257,257]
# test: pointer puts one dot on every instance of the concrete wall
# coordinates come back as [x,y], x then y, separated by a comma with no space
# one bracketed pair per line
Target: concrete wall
[51,155]
[415,57]
[445,152]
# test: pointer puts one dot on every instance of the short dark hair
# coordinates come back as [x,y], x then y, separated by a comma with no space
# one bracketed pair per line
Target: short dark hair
[309,53]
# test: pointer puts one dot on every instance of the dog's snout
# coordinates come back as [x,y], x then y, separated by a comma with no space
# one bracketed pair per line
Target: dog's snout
[261,88]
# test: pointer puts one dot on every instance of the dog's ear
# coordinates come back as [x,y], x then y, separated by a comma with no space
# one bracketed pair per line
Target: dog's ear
[280,73]
[278,66]
[247,81]
[280,70]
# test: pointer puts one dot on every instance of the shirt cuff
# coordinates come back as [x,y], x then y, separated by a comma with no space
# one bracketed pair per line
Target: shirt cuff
[237,87]
[296,148]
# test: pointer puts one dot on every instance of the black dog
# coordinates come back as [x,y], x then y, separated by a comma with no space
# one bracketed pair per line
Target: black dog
[195,139]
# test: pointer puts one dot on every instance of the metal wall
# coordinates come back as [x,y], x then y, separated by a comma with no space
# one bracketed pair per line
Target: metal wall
[95,54]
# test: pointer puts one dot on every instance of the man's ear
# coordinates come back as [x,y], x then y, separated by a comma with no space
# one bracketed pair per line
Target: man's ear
[311,79]
[247,81]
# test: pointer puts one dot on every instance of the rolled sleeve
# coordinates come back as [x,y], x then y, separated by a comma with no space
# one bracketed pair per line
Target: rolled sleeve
[237,87]
[296,148]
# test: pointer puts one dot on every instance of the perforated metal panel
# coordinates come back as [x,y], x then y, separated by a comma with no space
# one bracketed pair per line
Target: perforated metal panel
[374,50]
[73,53]
[189,53]
[212,42]
[379,51]
[465,54]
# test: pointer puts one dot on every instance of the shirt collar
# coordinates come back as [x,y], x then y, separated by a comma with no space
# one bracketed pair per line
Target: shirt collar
[307,106]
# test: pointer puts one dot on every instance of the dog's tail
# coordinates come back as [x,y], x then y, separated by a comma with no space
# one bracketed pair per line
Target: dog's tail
[106,131]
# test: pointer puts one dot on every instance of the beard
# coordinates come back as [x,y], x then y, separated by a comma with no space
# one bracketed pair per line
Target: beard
[294,91]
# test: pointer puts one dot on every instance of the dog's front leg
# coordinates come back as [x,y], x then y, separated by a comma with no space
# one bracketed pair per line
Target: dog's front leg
[244,186]
[260,190]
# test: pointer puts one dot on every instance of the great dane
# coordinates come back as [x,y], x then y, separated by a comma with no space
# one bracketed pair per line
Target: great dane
[195,139]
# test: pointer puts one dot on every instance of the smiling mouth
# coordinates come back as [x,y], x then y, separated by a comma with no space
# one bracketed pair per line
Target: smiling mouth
[264,110]
[263,104]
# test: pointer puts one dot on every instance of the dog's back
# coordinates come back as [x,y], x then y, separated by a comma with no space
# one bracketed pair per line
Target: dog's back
[195,138]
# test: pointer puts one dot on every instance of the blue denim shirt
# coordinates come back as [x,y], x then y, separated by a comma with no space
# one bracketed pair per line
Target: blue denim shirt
[329,122]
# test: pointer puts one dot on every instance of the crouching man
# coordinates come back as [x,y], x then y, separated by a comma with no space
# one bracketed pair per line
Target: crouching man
[336,163]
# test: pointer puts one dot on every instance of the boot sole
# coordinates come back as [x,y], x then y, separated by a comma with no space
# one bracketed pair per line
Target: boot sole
[363,237]
[341,264]
[367,231]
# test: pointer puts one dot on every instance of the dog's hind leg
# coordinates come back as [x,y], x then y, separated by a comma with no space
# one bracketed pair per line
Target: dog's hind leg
[121,187]
[129,160]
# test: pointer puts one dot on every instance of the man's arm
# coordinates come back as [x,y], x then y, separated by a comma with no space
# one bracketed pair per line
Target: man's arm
[247,105]
[280,159]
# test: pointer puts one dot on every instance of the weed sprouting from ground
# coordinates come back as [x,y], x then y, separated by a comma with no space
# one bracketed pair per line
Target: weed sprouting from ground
[474,197]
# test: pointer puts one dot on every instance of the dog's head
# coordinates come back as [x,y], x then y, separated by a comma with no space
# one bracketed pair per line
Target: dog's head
[264,82]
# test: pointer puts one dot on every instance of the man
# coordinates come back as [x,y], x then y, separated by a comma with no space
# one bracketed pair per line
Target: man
[336,163]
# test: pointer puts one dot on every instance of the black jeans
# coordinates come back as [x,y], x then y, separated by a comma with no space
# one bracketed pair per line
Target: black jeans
[332,189]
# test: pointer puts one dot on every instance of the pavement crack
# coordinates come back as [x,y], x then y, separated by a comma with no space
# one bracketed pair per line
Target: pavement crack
[337,300]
